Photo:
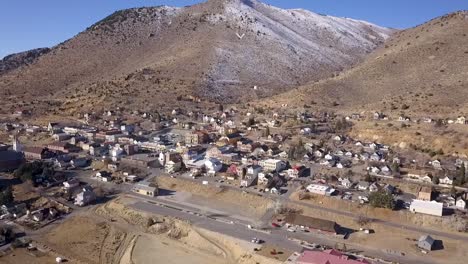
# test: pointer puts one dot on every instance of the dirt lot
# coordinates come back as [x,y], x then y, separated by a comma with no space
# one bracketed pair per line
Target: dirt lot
[22,255]
[249,204]
[114,233]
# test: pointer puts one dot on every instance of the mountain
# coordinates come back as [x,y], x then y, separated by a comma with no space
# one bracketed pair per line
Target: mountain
[14,61]
[216,50]
[422,71]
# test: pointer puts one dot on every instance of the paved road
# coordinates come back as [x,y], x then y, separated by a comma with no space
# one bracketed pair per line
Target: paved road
[279,237]
[285,199]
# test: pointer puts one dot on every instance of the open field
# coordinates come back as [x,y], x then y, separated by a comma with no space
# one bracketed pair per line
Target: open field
[244,203]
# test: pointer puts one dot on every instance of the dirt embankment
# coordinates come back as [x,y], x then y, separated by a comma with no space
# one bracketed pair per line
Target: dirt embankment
[186,241]
[87,240]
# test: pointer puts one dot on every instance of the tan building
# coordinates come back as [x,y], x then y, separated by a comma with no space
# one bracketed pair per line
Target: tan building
[425,194]
[146,189]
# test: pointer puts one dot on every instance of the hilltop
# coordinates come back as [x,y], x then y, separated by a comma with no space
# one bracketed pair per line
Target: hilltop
[421,71]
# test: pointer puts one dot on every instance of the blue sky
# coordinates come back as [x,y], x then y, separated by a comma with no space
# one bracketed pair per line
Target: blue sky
[28,24]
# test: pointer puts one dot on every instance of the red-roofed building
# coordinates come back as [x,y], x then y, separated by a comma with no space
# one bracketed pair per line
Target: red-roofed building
[326,257]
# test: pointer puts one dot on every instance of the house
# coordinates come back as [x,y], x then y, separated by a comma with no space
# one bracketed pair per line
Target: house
[296,171]
[254,170]
[426,242]
[249,180]
[427,207]
[229,139]
[72,183]
[374,187]
[85,197]
[447,180]
[460,203]
[263,178]
[363,186]
[436,164]
[61,136]
[247,145]
[63,147]
[461,120]
[272,165]
[425,194]
[79,162]
[197,137]
[390,189]
[320,189]
[213,165]
[346,183]
[145,188]
[313,223]
[330,256]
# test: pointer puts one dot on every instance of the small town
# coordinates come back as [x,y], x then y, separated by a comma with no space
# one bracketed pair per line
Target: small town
[304,159]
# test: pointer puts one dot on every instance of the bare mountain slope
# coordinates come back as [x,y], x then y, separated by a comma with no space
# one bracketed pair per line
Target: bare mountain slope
[217,50]
[423,70]
[14,61]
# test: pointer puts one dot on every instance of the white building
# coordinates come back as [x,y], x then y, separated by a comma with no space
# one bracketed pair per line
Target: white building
[427,207]
[272,165]
[213,165]
[320,189]
[254,170]
[460,204]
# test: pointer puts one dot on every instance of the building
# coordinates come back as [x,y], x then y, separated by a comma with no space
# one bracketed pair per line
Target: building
[313,223]
[36,153]
[85,197]
[425,194]
[213,166]
[145,188]
[197,137]
[61,147]
[297,171]
[247,145]
[330,256]
[320,189]
[460,203]
[427,207]
[272,165]
[72,183]
[254,170]
[426,243]
[140,161]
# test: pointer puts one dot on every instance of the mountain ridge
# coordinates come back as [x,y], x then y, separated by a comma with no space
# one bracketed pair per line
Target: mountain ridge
[216,51]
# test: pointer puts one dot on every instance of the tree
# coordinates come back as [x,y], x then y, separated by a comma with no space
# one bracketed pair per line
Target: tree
[6,196]
[435,180]
[266,132]
[395,167]
[453,191]
[382,199]
[251,122]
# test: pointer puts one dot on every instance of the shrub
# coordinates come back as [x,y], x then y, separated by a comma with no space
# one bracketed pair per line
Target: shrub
[381,199]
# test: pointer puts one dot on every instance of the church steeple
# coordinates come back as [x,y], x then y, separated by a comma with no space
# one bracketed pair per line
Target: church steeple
[17,145]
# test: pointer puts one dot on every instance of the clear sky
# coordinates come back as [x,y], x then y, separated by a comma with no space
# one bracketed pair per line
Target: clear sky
[28,24]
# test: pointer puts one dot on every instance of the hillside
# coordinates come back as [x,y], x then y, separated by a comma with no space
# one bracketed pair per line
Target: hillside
[218,51]
[420,71]
[14,61]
